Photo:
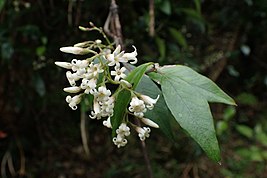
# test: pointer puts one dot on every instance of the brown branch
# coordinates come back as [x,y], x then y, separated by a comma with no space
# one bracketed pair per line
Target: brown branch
[145,154]
[112,25]
[221,64]
[151,18]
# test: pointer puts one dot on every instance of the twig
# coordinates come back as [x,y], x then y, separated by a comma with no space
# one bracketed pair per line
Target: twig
[78,13]
[3,165]
[70,5]
[220,65]
[145,154]
[11,166]
[151,18]
[22,170]
[112,25]
[84,133]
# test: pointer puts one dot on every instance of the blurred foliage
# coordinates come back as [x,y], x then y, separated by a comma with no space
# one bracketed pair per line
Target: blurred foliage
[223,39]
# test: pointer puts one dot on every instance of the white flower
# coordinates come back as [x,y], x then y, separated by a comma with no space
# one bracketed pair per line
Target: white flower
[107,107]
[93,70]
[79,66]
[137,106]
[97,111]
[149,122]
[72,77]
[119,141]
[118,73]
[88,85]
[123,130]
[107,123]
[102,94]
[130,56]
[116,57]
[75,50]
[72,89]
[65,65]
[73,101]
[143,133]
[149,101]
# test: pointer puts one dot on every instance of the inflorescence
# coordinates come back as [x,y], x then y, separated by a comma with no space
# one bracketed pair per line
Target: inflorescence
[91,76]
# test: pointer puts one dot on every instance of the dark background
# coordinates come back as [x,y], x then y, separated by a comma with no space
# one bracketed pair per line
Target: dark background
[225,40]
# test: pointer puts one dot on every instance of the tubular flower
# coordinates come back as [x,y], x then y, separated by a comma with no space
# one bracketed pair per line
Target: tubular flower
[116,57]
[93,70]
[102,94]
[119,141]
[130,56]
[137,106]
[88,85]
[97,111]
[107,123]
[143,133]
[73,101]
[118,73]
[149,101]
[123,130]
[72,77]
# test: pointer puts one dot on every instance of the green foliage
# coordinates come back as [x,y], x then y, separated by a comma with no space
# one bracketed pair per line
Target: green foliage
[124,96]
[187,94]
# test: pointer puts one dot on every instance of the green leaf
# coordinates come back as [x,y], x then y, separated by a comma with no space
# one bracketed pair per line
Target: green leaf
[160,113]
[161,47]
[2,4]
[201,84]
[198,5]
[165,6]
[124,96]
[187,94]
[247,99]
[178,36]
[40,51]
[229,113]
[245,130]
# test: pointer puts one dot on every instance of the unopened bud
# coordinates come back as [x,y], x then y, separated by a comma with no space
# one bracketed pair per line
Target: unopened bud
[149,122]
[75,50]
[73,89]
[65,65]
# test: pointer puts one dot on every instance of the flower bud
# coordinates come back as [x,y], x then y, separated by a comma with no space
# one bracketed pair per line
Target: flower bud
[75,50]
[73,89]
[149,122]
[149,101]
[65,65]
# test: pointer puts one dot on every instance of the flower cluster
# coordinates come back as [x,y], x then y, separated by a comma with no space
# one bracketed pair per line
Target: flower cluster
[92,75]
